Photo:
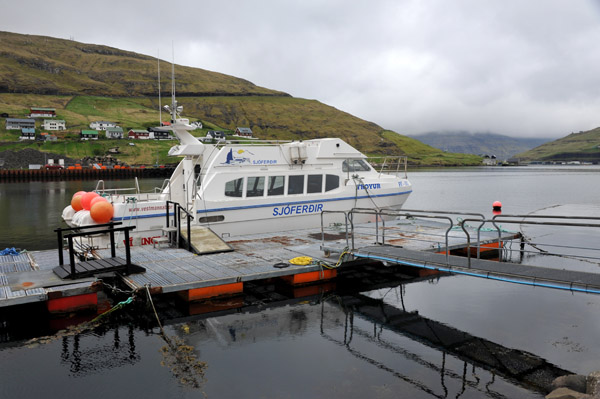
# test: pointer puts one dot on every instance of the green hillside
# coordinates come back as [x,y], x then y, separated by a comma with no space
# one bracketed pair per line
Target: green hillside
[87,82]
[582,146]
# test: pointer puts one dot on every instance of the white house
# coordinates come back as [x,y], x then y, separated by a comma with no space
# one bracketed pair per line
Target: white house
[490,160]
[114,132]
[18,124]
[102,125]
[51,124]
[27,134]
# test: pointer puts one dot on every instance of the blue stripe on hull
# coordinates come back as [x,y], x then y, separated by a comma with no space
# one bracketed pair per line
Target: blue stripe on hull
[235,208]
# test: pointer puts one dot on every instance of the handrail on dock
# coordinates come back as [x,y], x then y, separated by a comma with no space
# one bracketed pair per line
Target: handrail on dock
[110,230]
[177,209]
[323,226]
[527,222]
[409,213]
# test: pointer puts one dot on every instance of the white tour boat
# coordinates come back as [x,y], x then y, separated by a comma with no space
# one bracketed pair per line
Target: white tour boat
[244,187]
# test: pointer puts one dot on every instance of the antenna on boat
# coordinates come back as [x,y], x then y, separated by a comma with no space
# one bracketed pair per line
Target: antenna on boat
[159,99]
[188,144]
[173,100]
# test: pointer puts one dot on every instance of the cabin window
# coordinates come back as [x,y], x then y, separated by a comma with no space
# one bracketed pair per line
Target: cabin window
[211,219]
[233,188]
[255,187]
[296,184]
[331,182]
[355,165]
[314,184]
[276,185]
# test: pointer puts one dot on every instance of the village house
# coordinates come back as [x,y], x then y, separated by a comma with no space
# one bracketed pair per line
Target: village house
[27,134]
[215,134]
[138,134]
[114,132]
[44,136]
[102,125]
[490,160]
[54,124]
[36,112]
[89,135]
[243,132]
[18,124]
[159,134]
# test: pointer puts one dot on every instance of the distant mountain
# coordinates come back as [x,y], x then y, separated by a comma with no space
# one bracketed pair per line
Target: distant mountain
[582,146]
[503,147]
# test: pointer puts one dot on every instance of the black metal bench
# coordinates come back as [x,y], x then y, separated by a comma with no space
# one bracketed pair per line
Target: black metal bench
[93,267]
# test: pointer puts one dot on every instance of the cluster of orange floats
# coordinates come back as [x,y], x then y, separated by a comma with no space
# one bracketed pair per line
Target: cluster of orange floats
[78,166]
[100,209]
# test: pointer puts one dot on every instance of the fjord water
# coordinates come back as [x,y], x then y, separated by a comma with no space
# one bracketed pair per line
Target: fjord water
[284,348]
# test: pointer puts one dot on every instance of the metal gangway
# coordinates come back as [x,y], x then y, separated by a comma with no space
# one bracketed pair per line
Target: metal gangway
[458,242]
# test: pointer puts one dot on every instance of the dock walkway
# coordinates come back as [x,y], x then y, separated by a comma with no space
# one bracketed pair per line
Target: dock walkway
[28,277]
[503,271]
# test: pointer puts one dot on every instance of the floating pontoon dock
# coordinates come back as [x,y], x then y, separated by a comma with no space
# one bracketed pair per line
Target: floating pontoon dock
[416,239]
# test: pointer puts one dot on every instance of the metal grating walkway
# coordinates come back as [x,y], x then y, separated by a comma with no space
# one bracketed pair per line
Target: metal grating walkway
[504,271]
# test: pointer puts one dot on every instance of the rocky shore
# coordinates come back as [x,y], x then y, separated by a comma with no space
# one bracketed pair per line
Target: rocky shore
[576,386]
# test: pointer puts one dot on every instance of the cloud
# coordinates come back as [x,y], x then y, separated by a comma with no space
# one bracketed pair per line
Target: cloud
[509,67]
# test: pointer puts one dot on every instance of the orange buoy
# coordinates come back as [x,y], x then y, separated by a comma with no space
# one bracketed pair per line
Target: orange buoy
[102,212]
[497,208]
[87,198]
[78,193]
[76,203]
[96,200]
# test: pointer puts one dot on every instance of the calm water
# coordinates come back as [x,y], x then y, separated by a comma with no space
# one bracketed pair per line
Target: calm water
[278,347]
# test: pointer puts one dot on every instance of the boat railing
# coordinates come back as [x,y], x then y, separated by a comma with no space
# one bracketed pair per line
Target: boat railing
[101,189]
[390,164]
[249,142]
[165,184]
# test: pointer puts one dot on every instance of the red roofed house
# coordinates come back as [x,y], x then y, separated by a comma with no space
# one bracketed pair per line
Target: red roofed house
[35,112]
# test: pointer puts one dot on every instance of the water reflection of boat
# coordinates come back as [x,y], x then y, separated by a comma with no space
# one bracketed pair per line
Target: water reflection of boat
[250,186]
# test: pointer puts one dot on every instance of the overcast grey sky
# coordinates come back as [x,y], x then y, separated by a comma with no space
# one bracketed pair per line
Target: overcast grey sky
[526,68]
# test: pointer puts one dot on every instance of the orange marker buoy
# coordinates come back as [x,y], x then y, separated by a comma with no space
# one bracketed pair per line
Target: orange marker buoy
[102,212]
[497,208]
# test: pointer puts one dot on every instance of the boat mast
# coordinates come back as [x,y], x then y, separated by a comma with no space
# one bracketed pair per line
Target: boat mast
[159,99]
[173,100]
[188,144]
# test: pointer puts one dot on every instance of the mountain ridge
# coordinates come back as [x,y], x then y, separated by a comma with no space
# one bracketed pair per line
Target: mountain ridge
[502,146]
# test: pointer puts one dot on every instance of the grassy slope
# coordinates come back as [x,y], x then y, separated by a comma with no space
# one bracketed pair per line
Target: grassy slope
[46,65]
[87,82]
[576,146]
[283,118]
